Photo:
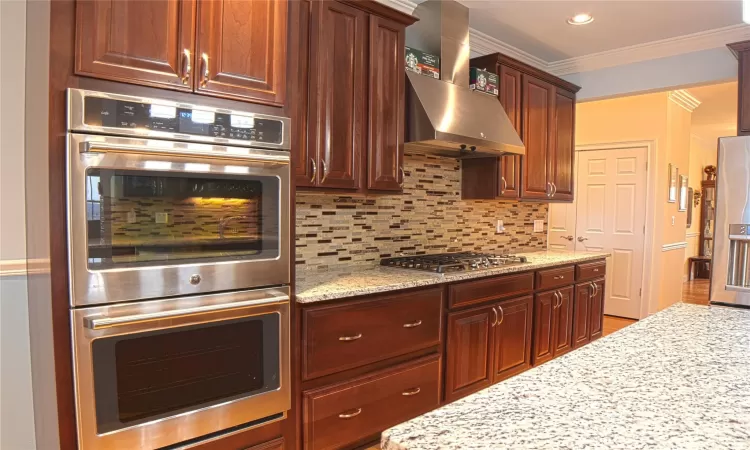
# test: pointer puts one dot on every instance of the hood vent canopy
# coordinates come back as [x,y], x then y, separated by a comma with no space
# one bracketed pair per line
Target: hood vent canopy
[444,116]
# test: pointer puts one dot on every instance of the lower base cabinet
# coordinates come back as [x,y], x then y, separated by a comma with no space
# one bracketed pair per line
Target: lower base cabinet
[553,324]
[588,312]
[343,414]
[486,345]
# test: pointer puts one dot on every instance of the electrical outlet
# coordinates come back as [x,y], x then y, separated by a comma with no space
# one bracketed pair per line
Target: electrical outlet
[672,220]
[538,226]
[499,228]
[162,217]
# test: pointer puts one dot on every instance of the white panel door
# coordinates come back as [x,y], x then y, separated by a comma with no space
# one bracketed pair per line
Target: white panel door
[561,229]
[610,217]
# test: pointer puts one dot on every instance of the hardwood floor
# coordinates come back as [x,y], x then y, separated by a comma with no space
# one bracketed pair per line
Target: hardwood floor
[613,323]
[695,292]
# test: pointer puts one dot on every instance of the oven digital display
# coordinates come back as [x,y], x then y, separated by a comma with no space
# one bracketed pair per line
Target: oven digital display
[112,113]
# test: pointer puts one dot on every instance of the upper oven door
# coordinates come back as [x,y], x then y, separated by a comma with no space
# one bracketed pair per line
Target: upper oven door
[151,219]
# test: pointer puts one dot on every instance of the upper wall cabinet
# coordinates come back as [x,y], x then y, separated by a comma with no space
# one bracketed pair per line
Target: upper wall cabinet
[227,48]
[742,51]
[542,109]
[355,94]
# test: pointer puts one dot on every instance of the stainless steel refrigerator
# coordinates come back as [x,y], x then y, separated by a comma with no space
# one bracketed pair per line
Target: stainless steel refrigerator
[730,265]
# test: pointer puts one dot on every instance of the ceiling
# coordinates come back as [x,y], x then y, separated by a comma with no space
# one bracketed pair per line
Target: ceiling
[540,29]
[717,114]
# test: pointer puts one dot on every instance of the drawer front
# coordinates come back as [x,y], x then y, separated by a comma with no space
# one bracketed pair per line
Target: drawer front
[589,271]
[552,278]
[337,416]
[489,289]
[356,333]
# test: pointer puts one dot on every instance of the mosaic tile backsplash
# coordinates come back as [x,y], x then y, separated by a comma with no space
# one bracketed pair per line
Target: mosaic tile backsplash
[429,217]
[195,218]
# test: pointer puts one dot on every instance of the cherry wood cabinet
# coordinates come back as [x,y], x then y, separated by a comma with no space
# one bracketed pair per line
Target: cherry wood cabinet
[742,51]
[597,310]
[355,119]
[542,109]
[512,338]
[588,312]
[142,42]
[553,324]
[225,48]
[240,49]
[337,94]
[468,351]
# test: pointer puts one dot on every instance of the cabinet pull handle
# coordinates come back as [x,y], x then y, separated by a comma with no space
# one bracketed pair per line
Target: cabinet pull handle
[186,66]
[403,175]
[204,80]
[596,270]
[324,166]
[349,415]
[505,185]
[502,315]
[494,311]
[547,189]
[559,277]
[314,171]
[557,300]
[596,289]
[554,189]
[411,392]
[413,324]
[350,338]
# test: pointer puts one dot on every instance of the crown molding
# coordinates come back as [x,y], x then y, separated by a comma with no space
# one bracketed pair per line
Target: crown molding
[678,45]
[684,99]
[483,44]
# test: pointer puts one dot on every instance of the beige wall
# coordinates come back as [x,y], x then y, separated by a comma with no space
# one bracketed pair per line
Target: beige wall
[649,117]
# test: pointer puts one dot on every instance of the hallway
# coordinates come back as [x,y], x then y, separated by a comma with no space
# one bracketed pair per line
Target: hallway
[695,292]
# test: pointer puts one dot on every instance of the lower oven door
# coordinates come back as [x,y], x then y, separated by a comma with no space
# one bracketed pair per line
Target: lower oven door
[159,372]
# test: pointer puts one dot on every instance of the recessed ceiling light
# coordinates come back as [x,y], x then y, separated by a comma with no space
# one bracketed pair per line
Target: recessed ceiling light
[581,19]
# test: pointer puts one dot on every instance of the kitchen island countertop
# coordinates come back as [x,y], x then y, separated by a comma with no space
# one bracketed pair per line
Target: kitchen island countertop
[679,379]
[314,286]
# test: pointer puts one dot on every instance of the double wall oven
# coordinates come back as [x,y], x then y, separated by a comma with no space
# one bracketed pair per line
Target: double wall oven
[178,240]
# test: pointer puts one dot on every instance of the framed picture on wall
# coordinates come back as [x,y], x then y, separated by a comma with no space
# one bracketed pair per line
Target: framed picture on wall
[672,192]
[684,196]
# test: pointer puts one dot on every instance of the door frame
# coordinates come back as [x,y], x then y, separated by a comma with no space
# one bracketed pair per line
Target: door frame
[648,300]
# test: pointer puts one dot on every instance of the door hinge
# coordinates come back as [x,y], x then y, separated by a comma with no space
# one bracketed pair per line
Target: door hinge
[640,292]
[644,228]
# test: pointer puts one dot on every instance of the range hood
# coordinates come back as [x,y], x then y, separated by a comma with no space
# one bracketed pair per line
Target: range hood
[444,116]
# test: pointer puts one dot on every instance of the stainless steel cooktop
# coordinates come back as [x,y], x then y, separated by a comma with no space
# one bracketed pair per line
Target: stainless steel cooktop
[453,262]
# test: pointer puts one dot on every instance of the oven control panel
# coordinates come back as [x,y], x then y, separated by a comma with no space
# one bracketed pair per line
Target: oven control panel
[139,116]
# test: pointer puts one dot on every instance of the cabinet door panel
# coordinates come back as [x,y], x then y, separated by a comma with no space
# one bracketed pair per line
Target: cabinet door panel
[510,98]
[597,310]
[538,114]
[385,153]
[563,150]
[468,352]
[544,323]
[582,315]
[241,49]
[337,92]
[513,338]
[564,322]
[141,42]
[303,150]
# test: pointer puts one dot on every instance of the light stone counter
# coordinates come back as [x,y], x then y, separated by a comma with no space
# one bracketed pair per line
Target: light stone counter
[677,380]
[315,286]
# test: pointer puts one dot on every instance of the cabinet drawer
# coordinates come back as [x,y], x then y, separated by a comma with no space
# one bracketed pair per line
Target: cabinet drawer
[487,289]
[589,271]
[356,333]
[339,415]
[552,278]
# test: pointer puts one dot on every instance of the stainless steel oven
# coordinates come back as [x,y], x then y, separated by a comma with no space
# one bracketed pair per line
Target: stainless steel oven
[168,199]
[160,372]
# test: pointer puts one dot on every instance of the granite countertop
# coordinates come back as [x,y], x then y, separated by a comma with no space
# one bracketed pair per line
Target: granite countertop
[315,286]
[679,379]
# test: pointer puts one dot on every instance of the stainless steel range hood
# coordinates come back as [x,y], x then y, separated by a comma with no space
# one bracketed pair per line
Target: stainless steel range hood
[444,116]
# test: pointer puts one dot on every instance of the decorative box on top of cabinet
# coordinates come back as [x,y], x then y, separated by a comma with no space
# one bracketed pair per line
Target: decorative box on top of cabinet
[230,49]
[355,97]
[542,109]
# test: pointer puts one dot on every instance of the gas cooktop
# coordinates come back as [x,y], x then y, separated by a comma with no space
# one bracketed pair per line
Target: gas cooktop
[453,262]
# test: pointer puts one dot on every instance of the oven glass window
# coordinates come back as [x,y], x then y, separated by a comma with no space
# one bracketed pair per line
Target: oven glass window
[148,376]
[137,218]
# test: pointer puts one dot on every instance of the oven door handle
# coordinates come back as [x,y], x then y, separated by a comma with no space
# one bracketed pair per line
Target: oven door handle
[100,321]
[260,155]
